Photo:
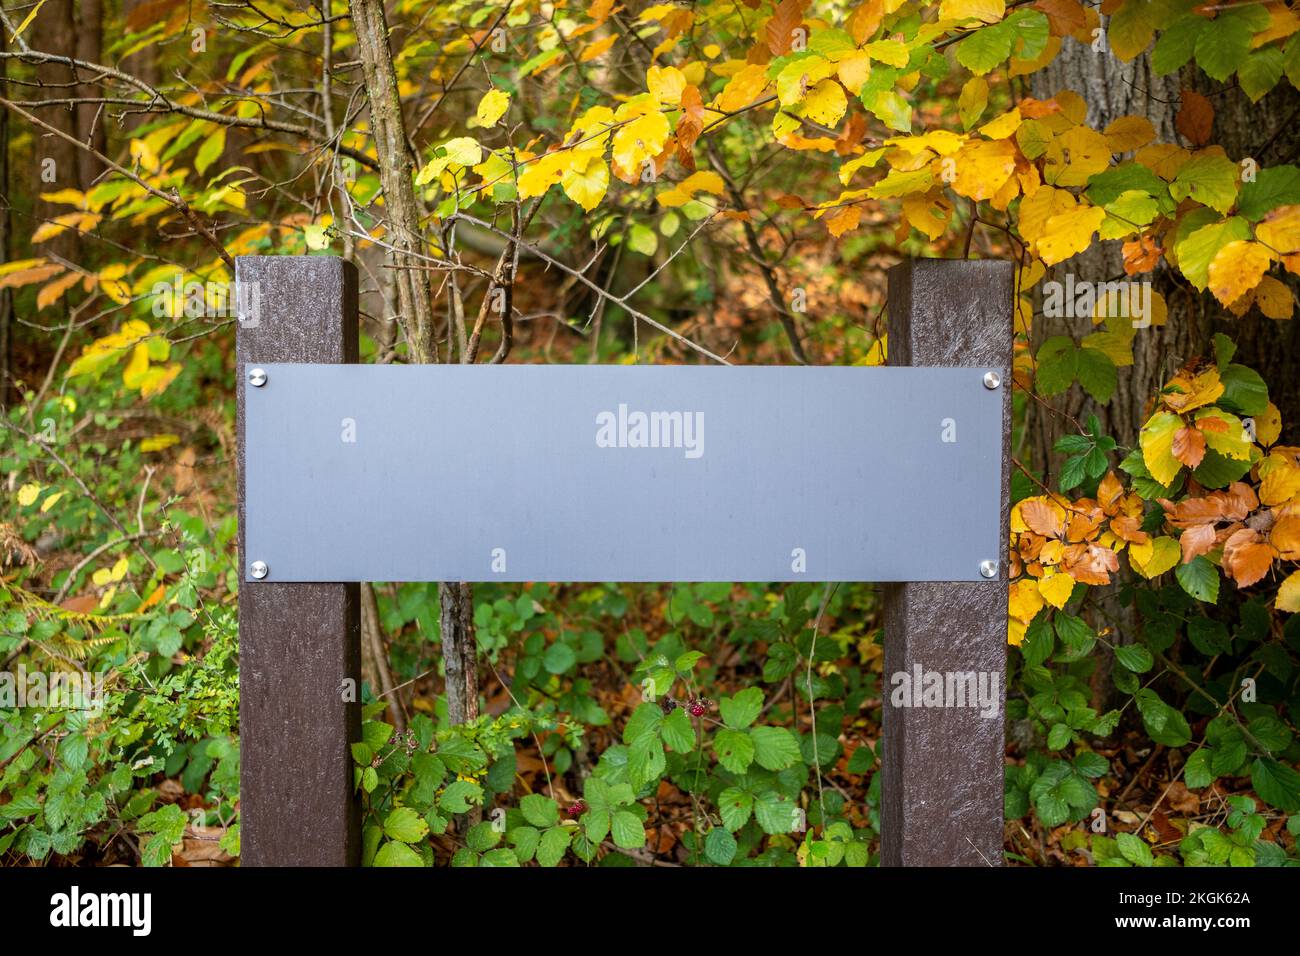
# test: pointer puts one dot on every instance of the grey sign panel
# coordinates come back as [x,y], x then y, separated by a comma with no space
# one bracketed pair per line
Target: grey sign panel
[614,473]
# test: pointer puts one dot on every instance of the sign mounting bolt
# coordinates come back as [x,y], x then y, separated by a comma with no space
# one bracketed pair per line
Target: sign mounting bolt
[987,568]
[992,380]
[257,377]
[258,569]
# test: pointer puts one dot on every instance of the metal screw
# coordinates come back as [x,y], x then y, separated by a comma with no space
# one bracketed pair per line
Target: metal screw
[258,569]
[257,377]
[987,568]
[992,379]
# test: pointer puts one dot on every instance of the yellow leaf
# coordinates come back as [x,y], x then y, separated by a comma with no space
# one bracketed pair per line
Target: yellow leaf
[928,213]
[1268,427]
[51,501]
[1025,601]
[1157,556]
[1236,269]
[990,11]
[53,291]
[1056,589]
[27,20]
[1069,233]
[1274,298]
[742,89]
[853,71]
[159,442]
[982,167]
[491,108]
[587,182]
[845,220]
[27,494]
[1075,156]
[1280,478]
[974,100]
[826,103]
[1015,632]
[1129,133]
[1280,230]
[542,173]
[640,140]
[666,84]
[1003,126]
[598,48]
[1288,594]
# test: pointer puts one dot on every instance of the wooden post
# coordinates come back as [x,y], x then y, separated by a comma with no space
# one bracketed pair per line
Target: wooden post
[299,644]
[942,790]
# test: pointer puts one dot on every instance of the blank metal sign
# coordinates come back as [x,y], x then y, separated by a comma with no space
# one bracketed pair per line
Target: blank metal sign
[620,473]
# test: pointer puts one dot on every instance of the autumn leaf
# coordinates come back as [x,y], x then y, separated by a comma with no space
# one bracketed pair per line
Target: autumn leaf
[491,108]
[1195,118]
[1236,269]
[1247,557]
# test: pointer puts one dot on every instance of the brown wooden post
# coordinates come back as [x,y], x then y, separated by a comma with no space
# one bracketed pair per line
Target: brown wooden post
[299,644]
[941,799]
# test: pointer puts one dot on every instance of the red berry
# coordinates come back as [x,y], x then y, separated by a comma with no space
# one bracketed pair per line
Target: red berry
[577,810]
[697,708]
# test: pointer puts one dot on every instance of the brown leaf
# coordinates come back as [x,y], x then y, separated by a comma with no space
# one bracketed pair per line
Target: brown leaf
[1042,518]
[780,29]
[1189,446]
[1196,540]
[1247,556]
[1195,118]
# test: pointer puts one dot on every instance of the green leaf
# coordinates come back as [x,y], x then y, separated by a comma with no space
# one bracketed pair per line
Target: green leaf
[677,731]
[1244,391]
[1260,72]
[406,825]
[394,853]
[775,813]
[1177,43]
[551,847]
[1096,373]
[1057,362]
[1200,579]
[1196,772]
[503,856]
[1134,849]
[735,749]
[1209,179]
[482,837]
[1135,657]
[739,712]
[460,795]
[720,846]
[1222,49]
[735,807]
[1058,737]
[559,657]
[1277,784]
[1272,187]
[775,748]
[539,810]
[627,830]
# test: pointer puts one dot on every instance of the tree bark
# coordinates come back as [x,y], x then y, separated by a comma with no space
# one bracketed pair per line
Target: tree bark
[406,235]
[90,125]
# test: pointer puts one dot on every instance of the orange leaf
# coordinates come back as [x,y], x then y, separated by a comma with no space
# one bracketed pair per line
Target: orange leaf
[780,29]
[1195,118]
[1189,446]
[1196,540]
[1247,556]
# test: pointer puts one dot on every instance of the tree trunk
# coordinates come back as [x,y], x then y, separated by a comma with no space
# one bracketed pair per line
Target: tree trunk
[56,159]
[90,121]
[1112,89]
[405,234]
[6,297]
